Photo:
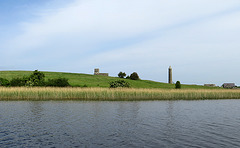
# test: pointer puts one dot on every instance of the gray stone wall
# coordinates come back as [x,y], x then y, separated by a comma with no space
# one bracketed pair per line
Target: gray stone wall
[103,74]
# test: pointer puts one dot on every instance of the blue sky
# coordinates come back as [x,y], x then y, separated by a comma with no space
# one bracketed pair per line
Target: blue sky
[199,39]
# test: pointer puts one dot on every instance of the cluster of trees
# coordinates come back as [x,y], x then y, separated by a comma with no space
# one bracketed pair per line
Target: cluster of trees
[37,78]
[133,76]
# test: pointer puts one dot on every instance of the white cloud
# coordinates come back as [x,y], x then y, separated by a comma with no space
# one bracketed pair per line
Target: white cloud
[145,34]
[104,20]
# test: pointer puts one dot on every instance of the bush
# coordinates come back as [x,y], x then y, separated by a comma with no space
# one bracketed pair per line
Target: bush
[59,82]
[4,82]
[121,74]
[119,83]
[18,81]
[178,85]
[134,76]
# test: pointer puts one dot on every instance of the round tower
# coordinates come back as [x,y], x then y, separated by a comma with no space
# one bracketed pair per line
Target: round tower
[170,75]
[96,71]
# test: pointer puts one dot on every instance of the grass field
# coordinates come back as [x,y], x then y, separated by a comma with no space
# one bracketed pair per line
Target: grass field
[107,94]
[79,80]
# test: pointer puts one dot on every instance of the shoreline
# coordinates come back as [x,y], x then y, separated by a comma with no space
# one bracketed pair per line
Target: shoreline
[109,94]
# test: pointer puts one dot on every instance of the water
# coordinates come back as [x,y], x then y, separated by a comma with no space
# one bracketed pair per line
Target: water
[213,123]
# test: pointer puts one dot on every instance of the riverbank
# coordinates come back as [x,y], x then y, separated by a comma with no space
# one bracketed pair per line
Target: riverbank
[106,94]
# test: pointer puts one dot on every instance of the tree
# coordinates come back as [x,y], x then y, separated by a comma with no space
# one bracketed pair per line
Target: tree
[178,85]
[36,79]
[121,74]
[134,76]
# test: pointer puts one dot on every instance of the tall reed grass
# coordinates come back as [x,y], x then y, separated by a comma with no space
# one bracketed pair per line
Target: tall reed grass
[119,94]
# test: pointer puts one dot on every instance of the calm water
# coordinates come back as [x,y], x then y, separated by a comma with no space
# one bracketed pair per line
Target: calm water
[121,124]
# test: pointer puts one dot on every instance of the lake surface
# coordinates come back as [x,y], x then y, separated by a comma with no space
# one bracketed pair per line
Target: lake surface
[210,123]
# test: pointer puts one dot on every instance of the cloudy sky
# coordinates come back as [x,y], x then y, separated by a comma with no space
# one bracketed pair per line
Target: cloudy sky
[200,39]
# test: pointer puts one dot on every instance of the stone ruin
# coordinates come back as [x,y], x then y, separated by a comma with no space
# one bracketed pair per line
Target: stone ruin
[96,72]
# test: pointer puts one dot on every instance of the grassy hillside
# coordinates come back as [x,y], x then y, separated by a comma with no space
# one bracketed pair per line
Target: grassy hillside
[80,80]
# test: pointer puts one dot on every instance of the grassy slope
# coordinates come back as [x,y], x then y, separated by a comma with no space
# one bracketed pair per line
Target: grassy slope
[95,81]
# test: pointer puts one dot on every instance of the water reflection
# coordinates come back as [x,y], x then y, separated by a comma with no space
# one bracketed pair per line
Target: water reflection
[36,110]
[170,120]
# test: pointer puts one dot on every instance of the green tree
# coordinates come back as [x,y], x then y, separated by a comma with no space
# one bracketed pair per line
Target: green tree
[178,85]
[36,79]
[134,76]
[121,74]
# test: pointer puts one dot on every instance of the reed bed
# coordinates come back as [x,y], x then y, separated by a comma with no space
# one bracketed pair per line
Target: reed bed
[119,94]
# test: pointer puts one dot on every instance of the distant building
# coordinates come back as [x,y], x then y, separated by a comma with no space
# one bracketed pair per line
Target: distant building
[229,85]
[96,72]
[210,85]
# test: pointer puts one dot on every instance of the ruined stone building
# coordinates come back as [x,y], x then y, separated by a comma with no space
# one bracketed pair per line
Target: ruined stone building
[96,72]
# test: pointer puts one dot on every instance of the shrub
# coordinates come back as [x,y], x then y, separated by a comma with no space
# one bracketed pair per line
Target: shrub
[4,82]
[178,85]
[119,83]
[128,77]
[121,74]
[18,81]
[134,76]
[59,82]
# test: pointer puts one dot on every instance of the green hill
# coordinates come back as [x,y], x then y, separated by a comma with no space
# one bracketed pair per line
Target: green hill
[79,80]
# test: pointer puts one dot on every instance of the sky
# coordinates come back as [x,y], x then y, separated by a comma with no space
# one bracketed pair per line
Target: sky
[199,39]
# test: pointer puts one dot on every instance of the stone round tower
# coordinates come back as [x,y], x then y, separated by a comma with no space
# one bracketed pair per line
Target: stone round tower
[170,75]
[96,71]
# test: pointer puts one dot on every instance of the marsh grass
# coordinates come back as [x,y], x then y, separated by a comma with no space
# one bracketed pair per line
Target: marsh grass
[119,94]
